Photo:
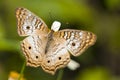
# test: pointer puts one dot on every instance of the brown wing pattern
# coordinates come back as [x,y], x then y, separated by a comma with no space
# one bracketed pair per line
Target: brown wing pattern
[57,56]
[33,48]
[28,23]
[77,41]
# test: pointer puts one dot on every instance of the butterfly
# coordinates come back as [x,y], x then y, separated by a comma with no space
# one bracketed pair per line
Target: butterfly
[49,48]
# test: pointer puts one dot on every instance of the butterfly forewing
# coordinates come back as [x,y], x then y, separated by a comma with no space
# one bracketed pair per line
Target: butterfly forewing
[28,23]
[77,41]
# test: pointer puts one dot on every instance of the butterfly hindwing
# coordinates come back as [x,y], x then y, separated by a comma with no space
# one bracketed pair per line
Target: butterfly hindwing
[57,56]
[33,48]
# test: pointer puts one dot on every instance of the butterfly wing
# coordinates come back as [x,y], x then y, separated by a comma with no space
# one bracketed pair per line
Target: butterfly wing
[77,41]
[28,23]
[56,56]
[32,26]
[33,48]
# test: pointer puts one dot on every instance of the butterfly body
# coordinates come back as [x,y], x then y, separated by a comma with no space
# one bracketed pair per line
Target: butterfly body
[47,48]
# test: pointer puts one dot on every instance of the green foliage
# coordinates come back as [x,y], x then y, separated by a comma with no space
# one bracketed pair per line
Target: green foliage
[95,73]
[113,4]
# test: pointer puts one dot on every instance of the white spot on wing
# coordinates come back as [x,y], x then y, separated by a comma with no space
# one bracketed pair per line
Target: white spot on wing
[80,33]
[72,36]
[65,35]
[33,22]
[39,25]
[29,14]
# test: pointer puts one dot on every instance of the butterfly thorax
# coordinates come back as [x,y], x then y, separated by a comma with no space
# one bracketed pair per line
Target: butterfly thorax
[49,39]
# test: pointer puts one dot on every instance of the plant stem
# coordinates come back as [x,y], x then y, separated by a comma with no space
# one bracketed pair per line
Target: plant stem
[22,70]
[60,74]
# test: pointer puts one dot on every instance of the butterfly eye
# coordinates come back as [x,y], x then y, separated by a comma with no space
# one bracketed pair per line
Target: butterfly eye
[59,58]
[29,47]
[73,44]
[28,27]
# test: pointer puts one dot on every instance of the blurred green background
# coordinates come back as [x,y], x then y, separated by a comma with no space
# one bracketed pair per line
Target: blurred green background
[102,17]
